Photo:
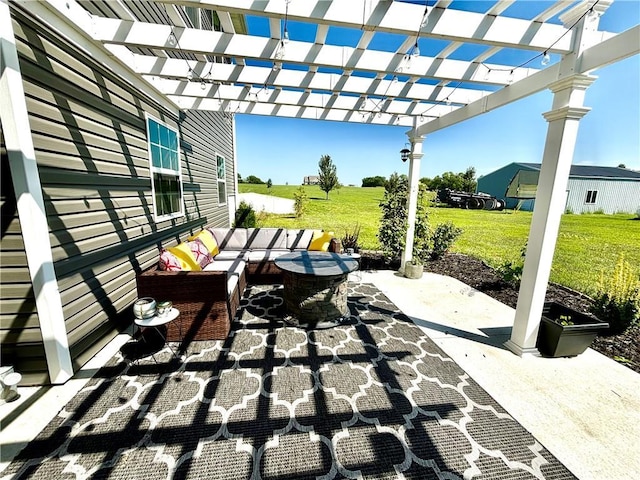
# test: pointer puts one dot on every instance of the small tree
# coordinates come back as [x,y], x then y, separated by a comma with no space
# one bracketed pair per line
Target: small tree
[300,201]
[269,185]
[327,174]
[469,182]
[245,216]
[393,225]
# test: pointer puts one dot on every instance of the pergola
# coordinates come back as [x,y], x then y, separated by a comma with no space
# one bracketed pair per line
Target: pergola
[423,65]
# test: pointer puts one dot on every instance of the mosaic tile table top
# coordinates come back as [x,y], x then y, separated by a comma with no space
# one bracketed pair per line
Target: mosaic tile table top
[371,398]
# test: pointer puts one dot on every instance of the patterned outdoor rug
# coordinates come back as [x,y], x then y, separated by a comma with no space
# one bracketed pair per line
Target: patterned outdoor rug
[371,398]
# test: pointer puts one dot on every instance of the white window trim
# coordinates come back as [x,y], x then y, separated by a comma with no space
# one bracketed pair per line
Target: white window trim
[593,197]
[224,180]
[161,218]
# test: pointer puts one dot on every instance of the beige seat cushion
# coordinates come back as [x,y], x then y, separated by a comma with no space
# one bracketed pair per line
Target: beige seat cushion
[232,267]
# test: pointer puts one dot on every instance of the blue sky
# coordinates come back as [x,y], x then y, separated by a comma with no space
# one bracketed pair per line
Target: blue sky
[286,150]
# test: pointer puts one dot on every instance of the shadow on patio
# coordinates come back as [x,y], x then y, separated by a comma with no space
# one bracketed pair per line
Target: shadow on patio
[373,397]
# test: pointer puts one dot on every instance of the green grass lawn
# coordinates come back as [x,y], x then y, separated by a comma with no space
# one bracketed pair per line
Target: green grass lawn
[587,244]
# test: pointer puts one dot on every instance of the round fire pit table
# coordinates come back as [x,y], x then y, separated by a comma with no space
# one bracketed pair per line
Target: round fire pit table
[315,288]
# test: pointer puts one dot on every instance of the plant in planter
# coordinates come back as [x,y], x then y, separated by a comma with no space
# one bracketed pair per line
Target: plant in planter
[350,239]
[565,332]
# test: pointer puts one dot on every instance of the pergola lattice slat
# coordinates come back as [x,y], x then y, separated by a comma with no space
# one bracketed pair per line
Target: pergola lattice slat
[397,17]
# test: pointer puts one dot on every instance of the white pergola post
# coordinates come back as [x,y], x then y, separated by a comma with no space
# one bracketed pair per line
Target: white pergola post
[564,118]
[30,204]
[550,203]
[414,176]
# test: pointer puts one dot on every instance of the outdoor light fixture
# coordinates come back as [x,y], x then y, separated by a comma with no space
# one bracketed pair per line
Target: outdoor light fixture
[546,58]
[404,154]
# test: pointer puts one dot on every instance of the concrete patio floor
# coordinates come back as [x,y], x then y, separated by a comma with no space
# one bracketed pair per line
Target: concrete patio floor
[585,410]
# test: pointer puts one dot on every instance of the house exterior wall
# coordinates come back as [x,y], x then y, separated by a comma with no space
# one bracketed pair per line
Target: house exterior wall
[496,183]
[614,195]
[89,134]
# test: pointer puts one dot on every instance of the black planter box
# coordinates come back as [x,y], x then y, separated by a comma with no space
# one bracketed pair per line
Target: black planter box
[557,340]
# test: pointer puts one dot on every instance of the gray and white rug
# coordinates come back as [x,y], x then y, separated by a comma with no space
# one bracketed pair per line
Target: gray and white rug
[371,398]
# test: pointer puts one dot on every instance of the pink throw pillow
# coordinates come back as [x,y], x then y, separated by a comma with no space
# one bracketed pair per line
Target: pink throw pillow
[201,252]
[169,262]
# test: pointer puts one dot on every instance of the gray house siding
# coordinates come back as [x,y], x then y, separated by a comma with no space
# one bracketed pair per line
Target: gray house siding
[90,139]
[613,195]
[203,135]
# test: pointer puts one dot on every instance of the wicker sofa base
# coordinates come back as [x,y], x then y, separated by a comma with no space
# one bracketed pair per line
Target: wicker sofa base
[206,309]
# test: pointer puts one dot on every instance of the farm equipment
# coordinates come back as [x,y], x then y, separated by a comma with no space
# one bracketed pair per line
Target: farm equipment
[474,201]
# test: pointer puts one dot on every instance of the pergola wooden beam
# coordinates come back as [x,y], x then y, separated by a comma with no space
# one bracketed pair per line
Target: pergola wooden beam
[623,45]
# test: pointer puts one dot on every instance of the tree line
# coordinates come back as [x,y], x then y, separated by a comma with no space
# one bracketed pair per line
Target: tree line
[462,181]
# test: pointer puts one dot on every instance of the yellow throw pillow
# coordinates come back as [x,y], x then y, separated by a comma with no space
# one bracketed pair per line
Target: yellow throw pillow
[206,237]
[184,254]
[320,241]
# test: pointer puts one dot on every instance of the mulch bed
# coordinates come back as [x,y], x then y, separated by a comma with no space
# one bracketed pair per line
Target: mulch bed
[624,348]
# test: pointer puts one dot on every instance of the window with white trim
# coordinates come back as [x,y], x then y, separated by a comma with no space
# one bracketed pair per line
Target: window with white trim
[591,196]
[164,162]
[222,180]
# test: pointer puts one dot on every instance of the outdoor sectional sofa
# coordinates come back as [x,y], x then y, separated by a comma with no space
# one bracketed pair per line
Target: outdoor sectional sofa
[209,297]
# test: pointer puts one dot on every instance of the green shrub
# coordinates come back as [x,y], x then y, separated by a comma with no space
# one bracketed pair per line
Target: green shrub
[443,237]
[393,225]
[245,216]
[511,270]
[300,201]
[617,300]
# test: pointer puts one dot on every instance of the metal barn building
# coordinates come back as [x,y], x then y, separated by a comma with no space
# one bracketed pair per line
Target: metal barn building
[590,188]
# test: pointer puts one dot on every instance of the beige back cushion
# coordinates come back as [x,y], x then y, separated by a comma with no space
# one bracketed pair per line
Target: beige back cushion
[299,239]
[266,238]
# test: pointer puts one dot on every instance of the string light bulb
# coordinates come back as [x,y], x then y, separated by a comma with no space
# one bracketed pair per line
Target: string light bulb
[190,74]
[172,40]
[416,50]
[546,58]
[425,17]
[203,85]
[394,79]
